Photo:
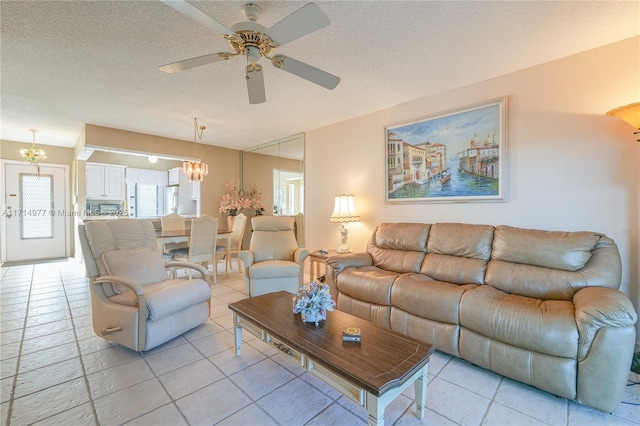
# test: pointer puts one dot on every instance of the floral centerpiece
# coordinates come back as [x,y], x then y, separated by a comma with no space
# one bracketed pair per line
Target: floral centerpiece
[255,200]
[231,202]
[313,302]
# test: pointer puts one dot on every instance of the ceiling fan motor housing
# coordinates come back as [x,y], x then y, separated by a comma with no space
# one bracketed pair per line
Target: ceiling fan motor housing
[251,11]
[250,34]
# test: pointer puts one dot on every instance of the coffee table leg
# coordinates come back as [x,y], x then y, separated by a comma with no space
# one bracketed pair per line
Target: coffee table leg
[237,333]
[421,392]
[375,408]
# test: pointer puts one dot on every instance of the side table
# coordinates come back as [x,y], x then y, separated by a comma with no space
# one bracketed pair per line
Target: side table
[318,259]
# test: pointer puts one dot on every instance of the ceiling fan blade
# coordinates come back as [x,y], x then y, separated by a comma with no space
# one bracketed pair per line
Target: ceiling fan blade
[197,15]
[306,71]
[191,63]
[303,21]
[255,83]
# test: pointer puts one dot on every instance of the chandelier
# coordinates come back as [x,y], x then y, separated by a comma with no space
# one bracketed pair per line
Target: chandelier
[195,170]
[33,155]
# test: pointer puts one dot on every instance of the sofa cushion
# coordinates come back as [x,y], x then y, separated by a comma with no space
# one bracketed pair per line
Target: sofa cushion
[167,297]
[273,238]
[458,253]
[118,234]
[274,269]
[461,240]
[422,296]
[399,247]
[369,284]
[547,327]
[402,236]
[568,251]
[139,264]
[372,312]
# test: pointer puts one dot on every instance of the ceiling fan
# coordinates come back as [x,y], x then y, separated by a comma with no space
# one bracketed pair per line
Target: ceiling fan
[254,41]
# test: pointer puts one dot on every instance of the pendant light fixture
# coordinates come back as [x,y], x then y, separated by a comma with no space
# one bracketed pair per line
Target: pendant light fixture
[33,155]
[195,170]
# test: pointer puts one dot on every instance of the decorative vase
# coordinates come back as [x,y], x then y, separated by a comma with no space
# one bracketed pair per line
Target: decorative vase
[230,220]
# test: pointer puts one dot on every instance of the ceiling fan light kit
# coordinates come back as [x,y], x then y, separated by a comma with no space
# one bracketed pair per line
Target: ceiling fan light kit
[254,41]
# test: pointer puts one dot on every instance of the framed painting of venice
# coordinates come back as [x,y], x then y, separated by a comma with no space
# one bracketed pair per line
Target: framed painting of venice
[458,156]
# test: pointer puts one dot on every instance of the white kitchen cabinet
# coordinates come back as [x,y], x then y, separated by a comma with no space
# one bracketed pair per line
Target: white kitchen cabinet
[195,190]
[105,182]
[174,176]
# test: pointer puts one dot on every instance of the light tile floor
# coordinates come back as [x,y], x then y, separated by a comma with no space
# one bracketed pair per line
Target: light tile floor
[55,371]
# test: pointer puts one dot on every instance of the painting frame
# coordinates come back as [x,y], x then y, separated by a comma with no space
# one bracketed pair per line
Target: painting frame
[456,156]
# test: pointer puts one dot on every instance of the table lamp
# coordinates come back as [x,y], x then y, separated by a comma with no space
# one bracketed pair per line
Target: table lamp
[629,113]
[344,211]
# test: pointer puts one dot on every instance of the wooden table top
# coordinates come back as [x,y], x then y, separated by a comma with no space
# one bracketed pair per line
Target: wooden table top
[382,360]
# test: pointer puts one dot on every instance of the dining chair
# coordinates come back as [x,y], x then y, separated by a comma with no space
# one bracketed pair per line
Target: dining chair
[235,242]
[173,222]
[202,244]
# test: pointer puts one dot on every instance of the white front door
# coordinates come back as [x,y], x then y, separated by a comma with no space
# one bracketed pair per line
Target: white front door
[34,212]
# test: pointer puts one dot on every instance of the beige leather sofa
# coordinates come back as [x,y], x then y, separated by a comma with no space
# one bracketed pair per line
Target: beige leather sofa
[540,307]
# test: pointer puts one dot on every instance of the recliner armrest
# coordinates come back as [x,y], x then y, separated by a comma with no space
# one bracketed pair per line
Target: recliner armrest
[247,258]
[599,307]
[135,286]
[339,262]
[300,255]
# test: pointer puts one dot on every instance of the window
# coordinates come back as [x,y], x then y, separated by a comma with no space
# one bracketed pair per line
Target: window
[147,201]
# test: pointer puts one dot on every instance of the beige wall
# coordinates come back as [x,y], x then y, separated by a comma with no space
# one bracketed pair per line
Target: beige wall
[570,167]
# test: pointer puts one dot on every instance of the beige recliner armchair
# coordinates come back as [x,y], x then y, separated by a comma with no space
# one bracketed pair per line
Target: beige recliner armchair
[274,261]
[134,302]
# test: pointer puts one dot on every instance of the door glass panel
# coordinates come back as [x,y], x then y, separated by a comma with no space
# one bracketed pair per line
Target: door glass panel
[36,202]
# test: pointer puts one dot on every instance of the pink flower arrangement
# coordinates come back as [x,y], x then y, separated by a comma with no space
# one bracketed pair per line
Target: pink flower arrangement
[255,200]
[233,201]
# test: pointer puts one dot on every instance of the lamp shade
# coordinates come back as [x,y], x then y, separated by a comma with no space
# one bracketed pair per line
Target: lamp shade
[629,113]
[344,209]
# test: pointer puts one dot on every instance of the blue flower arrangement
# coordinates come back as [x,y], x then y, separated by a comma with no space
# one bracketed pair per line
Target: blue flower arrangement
[313,302]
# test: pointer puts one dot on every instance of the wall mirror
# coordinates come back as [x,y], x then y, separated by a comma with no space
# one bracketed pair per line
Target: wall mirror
[276,169]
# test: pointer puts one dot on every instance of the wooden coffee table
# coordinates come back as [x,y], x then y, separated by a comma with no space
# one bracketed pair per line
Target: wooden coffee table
[372,372]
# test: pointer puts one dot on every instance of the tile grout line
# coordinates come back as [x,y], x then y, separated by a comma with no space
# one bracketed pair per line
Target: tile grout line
[75,334]
[24,326]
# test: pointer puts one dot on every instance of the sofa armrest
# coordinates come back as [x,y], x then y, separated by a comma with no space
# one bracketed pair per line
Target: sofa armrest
[339,262]
[599,307]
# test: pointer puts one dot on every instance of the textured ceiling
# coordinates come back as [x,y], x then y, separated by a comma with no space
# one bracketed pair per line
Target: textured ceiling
[67,63]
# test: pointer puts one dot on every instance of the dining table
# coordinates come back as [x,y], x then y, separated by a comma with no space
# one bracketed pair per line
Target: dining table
[175,236]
